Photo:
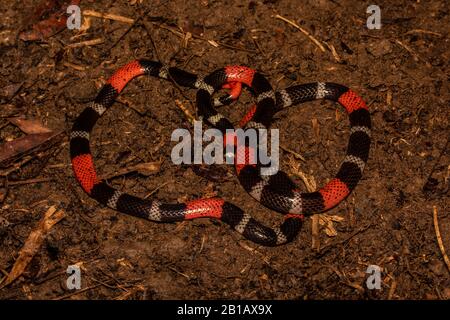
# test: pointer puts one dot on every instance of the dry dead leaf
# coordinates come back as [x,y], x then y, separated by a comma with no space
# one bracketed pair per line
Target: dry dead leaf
[34,242]
[22,145]
[48,18]
[29,126]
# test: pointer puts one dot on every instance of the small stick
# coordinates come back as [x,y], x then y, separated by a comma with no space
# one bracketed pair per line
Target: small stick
[334,52]
[108,16]
[144,168]
[194,36]
[180,273]
[36,180]
[74,66]
[295,154]
[156,189]
[424,31]
[204,237]
[135,22]
[152,41]
[292,23]
[77,292]
[92,42]
[327,247]
[439,238]
[253,250]
[415,56]
[392,289]
[129,105]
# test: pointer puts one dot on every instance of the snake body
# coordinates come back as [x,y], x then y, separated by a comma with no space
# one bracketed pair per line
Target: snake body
[276,191]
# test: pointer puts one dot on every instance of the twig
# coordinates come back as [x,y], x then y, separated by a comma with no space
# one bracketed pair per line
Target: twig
[144,168]
[180,273]
[424,31]
[77,292]
[292,23]
[92,42]
[107,285]
[328,246]
[295,154]
[415,56]
[16,166]
[135,22]
[392,289]
[197,37]
[29,181]
[334,52]
[254,250]
[152,41]
[109,16]
[439,238]
[74,66]
[156,189]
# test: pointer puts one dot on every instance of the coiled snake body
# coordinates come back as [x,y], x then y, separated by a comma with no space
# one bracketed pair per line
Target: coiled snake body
[276,191]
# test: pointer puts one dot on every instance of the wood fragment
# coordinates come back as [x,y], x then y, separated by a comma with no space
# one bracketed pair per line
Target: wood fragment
[213,43]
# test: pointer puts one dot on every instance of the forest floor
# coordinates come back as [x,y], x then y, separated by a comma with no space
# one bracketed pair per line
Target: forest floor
[400,70]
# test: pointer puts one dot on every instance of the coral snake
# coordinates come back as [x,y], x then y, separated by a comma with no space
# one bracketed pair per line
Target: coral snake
[275,191]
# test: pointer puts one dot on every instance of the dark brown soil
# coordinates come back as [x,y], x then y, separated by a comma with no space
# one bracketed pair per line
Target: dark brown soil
[388,219]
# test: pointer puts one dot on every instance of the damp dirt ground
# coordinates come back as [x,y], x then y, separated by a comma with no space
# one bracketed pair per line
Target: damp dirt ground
[401,71]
